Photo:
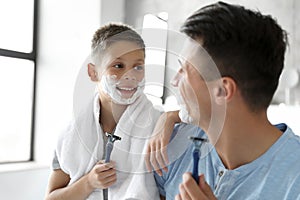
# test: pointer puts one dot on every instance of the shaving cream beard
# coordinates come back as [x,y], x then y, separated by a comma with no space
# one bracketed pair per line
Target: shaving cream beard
[184,115]
[109,85]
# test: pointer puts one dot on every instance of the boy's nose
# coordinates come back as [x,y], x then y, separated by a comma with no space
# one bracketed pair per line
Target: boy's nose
[129,75]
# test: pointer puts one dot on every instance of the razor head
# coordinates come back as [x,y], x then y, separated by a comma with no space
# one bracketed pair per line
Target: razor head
[196,139]
[112,137]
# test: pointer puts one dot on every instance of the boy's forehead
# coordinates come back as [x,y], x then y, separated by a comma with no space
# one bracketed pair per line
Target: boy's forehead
[119,48]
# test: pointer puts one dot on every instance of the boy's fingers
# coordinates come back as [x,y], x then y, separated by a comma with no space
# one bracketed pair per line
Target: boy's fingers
[100,167]
[147,162]
[155,164]
[158,156]
[165,158]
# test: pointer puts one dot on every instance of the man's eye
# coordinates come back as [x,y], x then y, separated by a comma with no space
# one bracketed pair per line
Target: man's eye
[139,67]
[118,66]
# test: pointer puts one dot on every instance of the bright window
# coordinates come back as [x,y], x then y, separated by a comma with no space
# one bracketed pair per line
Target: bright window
[16,25]
[17,78]
[155,36]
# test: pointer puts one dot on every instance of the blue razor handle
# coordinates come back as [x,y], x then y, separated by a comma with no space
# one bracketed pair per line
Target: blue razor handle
[196,155]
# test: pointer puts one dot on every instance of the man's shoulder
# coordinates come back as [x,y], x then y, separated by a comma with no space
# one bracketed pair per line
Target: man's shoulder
[180,146]
[185,130]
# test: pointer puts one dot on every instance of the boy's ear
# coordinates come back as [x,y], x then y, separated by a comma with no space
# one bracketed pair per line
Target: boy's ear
[92,72]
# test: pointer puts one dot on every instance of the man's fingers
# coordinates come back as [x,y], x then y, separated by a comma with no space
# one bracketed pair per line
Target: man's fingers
[205,187]
[191,186]
[183,193]
[178,197]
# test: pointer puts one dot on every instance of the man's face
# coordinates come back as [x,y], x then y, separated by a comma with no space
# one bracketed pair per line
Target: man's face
[194,84]
[194,92]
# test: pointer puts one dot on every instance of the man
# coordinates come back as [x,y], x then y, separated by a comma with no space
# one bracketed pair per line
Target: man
[249,158]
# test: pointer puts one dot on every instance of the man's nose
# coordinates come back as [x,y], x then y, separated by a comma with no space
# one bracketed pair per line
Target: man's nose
[175,81]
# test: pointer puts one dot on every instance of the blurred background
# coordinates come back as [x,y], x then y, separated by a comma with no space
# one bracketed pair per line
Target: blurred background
[43,44]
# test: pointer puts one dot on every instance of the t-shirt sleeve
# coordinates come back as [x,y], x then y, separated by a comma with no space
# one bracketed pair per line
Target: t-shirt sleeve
[160,182]
[55,162]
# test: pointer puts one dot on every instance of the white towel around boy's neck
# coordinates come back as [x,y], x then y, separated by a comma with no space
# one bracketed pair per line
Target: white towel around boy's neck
[81,147]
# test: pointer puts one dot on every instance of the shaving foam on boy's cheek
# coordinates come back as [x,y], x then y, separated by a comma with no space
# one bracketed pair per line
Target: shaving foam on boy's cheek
[109,85]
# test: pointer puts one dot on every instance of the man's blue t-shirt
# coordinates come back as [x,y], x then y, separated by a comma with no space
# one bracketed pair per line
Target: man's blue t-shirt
[274,175]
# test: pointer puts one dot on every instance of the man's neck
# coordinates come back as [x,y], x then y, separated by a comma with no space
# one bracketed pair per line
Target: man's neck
[245,138]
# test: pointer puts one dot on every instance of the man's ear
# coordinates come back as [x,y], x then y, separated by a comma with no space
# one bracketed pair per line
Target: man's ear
[225,92]
[92,72]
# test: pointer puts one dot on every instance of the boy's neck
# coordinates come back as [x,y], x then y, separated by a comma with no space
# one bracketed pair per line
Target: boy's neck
[244,138]
[110,114]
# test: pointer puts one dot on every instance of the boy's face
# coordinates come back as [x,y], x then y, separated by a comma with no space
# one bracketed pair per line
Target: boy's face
[124,62]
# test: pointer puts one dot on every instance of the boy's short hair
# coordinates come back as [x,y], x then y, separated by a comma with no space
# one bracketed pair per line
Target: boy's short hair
[110,33]
[245,45]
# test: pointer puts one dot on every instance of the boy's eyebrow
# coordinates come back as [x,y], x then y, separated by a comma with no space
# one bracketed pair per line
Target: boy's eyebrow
[140,59]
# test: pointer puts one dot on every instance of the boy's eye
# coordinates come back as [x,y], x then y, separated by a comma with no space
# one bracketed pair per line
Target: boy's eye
[139,67]
[119,65]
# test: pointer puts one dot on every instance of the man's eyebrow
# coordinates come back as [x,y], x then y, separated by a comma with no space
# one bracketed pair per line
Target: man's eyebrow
[180,62]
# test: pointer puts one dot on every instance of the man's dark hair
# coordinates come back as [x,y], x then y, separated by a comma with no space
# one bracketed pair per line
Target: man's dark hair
[245,45]
[110,33]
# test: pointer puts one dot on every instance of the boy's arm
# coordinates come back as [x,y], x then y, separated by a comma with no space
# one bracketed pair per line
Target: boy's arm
[101,176]
[156,157]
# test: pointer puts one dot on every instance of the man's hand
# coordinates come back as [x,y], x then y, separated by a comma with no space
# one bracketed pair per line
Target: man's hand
[102,175]
[190,190]
[156,152]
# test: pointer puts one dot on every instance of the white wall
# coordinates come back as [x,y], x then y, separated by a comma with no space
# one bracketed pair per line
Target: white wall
[286,12]
[65,33]
[23,184]
[66,30]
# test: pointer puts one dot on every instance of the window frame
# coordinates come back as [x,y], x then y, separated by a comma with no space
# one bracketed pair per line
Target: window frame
[32,56]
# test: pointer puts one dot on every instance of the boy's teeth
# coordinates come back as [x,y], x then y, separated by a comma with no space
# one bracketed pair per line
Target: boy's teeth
[128,89]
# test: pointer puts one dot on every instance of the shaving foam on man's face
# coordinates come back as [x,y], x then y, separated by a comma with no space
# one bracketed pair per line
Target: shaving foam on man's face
[123,91]
[183,112]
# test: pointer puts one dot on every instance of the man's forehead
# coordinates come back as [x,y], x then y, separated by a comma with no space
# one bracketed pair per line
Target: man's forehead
[194,53]
[192,50]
